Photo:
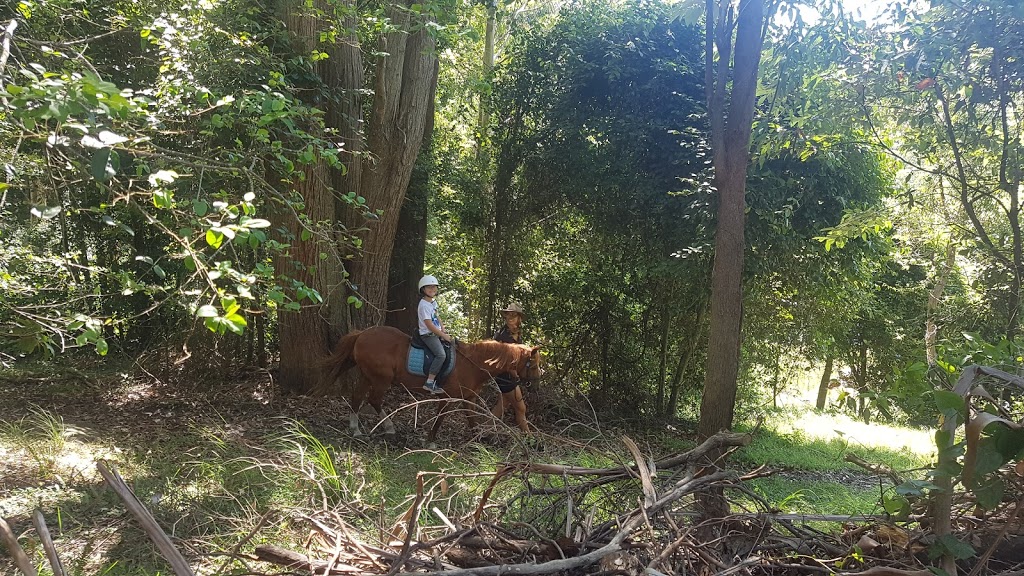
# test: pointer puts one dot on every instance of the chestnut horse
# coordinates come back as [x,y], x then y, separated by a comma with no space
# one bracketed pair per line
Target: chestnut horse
[381,352]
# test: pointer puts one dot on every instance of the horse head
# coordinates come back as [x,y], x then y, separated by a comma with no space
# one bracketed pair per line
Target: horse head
[528,365]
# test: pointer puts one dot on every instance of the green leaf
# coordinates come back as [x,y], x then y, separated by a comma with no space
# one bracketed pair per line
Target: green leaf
[236,323]
[101,166]
[306,234]
[101,346]
[990,494]
[206,311]
[989,459]
[214,238]
[896,505]
[228,304]
[914,488]
[163,199]
[947,543]
[200,207]
[950,403]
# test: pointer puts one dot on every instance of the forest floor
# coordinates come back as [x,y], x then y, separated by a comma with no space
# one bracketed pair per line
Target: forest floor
[225,467]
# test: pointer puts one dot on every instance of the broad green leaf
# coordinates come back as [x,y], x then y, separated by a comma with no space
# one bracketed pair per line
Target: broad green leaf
[214,238]
[101,166]
[206,311]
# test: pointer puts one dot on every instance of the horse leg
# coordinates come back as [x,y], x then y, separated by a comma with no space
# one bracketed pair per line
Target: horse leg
[442,409]
[499,407]
[356,400]
[519,405]
[376,400]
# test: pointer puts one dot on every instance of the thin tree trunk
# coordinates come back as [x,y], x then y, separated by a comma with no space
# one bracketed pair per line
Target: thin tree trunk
[730,157]
[826,377]
[683,365]
[507,163]
[931,330]
[718,402]
[484,119]
[659,403]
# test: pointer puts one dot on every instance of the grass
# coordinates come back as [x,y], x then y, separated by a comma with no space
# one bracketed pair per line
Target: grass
[816,496]
[811,440]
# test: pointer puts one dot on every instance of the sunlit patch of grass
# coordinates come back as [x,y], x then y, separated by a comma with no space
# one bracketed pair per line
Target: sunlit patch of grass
[815,496]
[50,444]
[810,440]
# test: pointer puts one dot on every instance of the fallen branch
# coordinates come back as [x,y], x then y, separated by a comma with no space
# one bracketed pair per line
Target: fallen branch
[145,518]
[686,486]
[879,469]
[20,558]
[297,561]
[44,536]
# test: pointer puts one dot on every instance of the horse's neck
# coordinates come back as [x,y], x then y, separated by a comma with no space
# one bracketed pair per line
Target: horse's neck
[492,357]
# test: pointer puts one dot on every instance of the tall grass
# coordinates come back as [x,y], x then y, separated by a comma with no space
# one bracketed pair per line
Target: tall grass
[42,435]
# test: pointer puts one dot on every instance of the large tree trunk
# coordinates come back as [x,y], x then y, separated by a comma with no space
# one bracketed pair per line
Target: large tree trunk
[305,335]
[410,248]
[404,86]
[730,156]
[343,72]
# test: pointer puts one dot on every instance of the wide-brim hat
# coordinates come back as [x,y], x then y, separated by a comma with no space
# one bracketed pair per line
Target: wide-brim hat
[513,307]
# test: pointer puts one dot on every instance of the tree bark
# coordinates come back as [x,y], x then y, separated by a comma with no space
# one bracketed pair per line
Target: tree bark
[404,85]
[718,402]
[826,377]
[306,335]
[343,73]
[410,248]
[730,157]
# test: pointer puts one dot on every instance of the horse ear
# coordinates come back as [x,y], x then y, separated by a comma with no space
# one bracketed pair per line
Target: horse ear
[534,349]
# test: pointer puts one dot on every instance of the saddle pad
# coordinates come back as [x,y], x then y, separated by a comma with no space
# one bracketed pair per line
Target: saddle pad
[420,359]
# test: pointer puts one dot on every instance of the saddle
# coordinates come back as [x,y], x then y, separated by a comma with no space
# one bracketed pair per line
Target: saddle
[420,359]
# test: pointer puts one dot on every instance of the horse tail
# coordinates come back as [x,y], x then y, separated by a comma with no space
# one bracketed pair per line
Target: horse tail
[340,361]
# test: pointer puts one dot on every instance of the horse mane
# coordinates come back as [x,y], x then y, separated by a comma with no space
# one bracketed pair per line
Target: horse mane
[496,356]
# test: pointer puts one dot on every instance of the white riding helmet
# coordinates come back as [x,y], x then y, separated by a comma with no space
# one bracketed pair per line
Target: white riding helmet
[428,280]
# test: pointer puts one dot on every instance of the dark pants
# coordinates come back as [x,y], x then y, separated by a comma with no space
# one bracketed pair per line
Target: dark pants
[433,342]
